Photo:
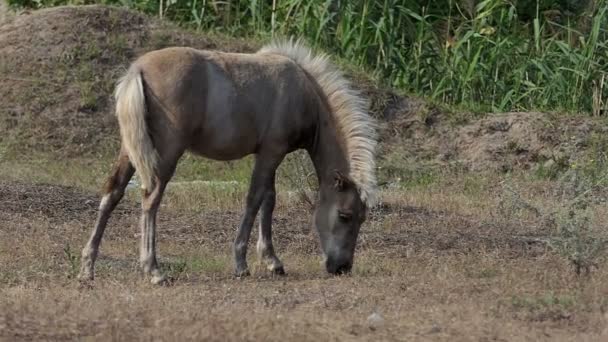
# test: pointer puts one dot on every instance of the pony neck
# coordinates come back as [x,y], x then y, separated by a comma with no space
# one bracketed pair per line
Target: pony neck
[327,151]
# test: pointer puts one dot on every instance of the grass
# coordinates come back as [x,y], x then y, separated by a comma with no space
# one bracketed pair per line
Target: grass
[486,55]
[438,260]
[87,173]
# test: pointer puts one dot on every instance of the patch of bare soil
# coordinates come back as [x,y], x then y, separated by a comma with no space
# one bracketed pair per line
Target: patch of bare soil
[519,141]
[495,142]
[51,201]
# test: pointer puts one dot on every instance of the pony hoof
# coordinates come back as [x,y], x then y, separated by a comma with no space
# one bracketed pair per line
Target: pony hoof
[159,279]
[85,276]
[242,273]
[278,270]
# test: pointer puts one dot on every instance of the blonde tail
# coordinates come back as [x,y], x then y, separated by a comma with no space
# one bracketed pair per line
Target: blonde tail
[131,111]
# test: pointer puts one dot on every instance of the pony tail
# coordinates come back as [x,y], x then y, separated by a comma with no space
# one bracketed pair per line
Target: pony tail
[131,112]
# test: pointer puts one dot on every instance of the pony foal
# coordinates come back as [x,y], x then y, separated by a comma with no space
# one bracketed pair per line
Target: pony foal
[225,106]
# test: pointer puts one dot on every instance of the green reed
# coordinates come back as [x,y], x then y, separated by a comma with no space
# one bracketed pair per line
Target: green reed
[490,55]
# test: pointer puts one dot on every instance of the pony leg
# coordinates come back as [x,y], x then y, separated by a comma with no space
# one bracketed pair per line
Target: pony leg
[264,246]
[147,257]
[150,204]
[262,182]
[114,190]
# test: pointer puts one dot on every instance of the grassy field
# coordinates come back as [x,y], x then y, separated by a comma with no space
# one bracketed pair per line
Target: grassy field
[456,260]
[489,227]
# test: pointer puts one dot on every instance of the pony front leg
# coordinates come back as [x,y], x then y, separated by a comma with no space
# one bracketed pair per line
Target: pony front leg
[262,182]
[147,258]
[254,199]
[265,249]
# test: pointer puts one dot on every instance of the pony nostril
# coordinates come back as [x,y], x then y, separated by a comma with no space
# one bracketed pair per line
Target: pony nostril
[338,268]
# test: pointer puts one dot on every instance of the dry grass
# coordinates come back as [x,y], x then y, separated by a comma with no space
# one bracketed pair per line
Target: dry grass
[440,264]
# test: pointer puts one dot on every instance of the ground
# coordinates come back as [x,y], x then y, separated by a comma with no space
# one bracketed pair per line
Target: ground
[467,244]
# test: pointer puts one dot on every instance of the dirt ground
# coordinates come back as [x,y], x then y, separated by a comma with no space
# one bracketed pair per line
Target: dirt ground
[448,255]
[429,274]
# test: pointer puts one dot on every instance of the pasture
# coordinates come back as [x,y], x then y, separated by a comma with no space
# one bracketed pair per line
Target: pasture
[488,227]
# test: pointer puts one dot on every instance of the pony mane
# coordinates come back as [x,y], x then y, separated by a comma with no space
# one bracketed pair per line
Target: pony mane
[349,108]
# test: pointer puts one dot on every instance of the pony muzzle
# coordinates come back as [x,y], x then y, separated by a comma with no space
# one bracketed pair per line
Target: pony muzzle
[338,264]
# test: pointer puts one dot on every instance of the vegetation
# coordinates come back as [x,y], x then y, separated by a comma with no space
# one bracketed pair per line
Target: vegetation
[490,55]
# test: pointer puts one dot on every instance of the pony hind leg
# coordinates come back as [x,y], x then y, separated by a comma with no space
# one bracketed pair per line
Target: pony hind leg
[114,190]
[265,248]
[150,203]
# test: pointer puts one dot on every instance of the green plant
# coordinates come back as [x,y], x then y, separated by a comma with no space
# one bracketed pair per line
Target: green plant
[575,242]
[574,235]
[494,55]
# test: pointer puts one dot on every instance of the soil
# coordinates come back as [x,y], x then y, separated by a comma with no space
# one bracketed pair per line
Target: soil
[497,142]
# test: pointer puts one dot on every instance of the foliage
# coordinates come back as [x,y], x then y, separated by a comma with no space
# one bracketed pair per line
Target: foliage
[575,234]
[482,54]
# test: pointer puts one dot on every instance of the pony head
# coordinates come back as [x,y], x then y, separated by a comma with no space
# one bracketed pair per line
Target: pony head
[338,218]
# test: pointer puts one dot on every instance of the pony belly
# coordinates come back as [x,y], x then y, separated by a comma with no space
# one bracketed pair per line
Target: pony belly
[224,149]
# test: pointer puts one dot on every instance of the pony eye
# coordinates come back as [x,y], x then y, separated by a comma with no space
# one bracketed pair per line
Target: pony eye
[345,216]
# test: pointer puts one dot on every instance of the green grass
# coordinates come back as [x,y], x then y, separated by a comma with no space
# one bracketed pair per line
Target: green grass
[482,55]
[192,167]
[198,183]
[207,265]
[84,172]
[545,301]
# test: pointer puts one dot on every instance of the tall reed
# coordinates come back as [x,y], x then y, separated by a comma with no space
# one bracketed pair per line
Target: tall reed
[489,55]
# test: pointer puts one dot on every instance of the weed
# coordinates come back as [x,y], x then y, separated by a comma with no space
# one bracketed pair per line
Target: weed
[575,242]
[575,237]
[72,260]
[297,173]
[175,269]
[118,44]
[88,96]
[552,168]
[182,268]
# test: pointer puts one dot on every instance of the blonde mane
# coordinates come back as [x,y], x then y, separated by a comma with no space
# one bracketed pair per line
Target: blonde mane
[356,126]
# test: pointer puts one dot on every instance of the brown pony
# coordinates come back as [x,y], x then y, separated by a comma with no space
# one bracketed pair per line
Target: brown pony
[225,106]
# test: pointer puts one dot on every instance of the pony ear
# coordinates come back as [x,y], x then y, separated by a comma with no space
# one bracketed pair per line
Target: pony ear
[341,181]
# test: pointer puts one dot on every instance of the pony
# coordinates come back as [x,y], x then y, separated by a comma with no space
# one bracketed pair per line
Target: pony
[225,106]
